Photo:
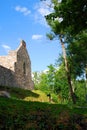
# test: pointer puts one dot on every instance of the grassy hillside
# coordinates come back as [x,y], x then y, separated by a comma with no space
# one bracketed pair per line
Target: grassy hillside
[18,114]
[27,95]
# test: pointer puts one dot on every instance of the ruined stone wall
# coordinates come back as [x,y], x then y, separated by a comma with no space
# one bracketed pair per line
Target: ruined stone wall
[15,68]
[8,61]
[23,67]
[7,77]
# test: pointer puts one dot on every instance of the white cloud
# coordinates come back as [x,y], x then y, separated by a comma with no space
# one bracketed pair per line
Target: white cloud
[6,47]
[23,10]
[37,37]
[42,9]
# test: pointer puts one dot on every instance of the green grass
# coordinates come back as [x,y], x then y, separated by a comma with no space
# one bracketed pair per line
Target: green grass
[27,95]
[16,114]
[42,97]
[18,92]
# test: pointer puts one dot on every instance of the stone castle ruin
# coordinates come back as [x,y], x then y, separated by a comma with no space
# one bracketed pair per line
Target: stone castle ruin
[15,68]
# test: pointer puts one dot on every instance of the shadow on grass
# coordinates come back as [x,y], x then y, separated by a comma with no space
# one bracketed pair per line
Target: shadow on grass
[19,92]
[18,114]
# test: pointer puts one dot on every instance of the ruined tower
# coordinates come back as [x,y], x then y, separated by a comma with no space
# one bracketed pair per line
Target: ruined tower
[15,68]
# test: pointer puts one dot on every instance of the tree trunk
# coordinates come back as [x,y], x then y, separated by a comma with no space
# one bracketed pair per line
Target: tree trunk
[67,71]
[86,83]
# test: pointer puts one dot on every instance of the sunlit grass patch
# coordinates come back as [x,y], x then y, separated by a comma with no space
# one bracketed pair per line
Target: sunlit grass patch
[42,97]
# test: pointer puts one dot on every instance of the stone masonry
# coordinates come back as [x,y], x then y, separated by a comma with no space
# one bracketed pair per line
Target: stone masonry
[15,68]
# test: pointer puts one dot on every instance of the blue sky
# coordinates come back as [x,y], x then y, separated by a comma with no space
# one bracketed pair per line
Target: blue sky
[24,19]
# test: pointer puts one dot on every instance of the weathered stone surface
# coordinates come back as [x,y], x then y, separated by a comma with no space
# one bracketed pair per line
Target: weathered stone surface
[15,68]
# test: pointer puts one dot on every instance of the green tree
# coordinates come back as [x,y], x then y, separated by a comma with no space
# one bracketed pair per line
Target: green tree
[60,83]
[43,84]
[36,79]
[67,20]
[56,31]
[53,81]
[51,76]
[77,49]
[73,14]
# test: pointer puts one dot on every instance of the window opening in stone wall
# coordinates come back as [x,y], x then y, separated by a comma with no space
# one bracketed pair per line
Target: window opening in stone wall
[24,68]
